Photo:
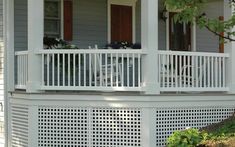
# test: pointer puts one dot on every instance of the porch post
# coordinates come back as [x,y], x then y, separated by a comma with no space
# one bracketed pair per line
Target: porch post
[9,73]
[149,43]
[35,43]
[229,47]
[9,44]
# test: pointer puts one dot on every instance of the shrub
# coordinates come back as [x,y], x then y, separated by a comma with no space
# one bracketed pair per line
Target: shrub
[186,138]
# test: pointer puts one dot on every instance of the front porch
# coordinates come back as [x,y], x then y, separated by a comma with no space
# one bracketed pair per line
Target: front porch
[101,97]
[156,66]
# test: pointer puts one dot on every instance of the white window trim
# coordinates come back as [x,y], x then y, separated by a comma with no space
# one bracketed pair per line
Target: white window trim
[193,35]
[131,3]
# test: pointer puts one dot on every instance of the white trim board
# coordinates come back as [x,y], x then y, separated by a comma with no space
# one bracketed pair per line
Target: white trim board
[131,3]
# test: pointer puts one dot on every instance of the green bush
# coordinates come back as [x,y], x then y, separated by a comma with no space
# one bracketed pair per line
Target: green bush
[186,138]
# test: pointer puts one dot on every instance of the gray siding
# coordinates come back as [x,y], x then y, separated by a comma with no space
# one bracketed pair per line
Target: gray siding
[138,21]
[90,25]
[161,28]
[207,41]
[89,22]
[20,25]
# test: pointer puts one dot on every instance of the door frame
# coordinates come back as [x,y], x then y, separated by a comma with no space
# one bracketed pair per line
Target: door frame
[193,34]
[131,3]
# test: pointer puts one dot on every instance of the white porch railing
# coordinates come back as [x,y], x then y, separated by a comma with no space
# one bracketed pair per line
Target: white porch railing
[120,70]
[91,69]
[21,69]
[192,71]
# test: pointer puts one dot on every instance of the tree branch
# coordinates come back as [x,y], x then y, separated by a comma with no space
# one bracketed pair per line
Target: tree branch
[213,31]
[218,34]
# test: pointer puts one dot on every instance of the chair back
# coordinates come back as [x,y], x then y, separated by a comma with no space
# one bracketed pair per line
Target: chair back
[95,61]
[192,75]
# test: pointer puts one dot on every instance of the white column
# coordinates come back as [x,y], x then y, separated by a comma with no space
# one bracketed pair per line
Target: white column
[149,127]
[9,77]
[229,47]
[149,42]
[194,37]
[9,44]
[35,43]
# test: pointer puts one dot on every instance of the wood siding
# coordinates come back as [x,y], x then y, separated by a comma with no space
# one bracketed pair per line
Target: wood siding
[20,11]
[138,22]
[207,41]
[90,25]
[161,28]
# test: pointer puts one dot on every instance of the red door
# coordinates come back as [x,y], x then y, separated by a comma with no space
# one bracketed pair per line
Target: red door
[121,23]
[68,20]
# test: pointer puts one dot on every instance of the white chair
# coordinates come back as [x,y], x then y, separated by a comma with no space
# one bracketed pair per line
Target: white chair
[191,76]
[167,76]
[106,71]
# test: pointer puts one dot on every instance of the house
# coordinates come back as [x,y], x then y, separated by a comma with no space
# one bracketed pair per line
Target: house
[181,76]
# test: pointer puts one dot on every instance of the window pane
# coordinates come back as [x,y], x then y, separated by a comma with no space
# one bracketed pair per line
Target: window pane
[52,18]
[52,27]
[52,9]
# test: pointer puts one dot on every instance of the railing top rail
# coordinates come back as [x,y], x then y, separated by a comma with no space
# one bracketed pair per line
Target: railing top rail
[21,53]
[124,51]
[193,53]
[119,51]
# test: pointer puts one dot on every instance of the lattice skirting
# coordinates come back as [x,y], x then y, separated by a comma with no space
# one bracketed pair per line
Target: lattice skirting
[96,127]
[170,119]
[65,126]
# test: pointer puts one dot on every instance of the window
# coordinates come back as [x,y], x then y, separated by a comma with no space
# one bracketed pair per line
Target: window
[58,19]
[52,18]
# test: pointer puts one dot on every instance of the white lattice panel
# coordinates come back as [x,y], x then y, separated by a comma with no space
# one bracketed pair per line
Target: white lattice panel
[170,119]
[63,127]
[93,127]
[116,127]
[19,123]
